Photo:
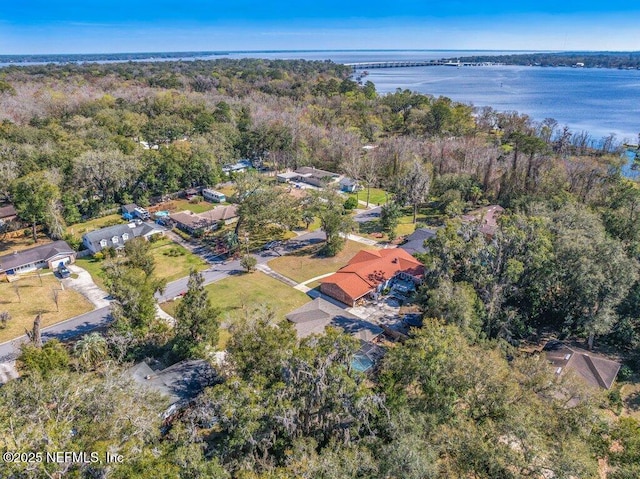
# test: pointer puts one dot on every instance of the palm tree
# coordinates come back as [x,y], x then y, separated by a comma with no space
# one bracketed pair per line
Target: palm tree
[91,350]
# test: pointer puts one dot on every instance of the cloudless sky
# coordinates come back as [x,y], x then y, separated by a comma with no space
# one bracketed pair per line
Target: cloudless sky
[104,26]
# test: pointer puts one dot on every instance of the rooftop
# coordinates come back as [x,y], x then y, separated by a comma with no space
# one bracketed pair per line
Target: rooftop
[314,316]
[415,241]
[593,368]
[34,255]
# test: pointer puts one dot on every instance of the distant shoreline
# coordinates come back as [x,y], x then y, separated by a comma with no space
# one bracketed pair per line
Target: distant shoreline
[586,59]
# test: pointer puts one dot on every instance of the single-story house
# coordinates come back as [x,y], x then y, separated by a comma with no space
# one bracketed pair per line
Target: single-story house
[370,272]
[116,236]
[414,243]
[213,196]
[180,383]
[596,370]
[239,167]
[287,176]
[316,315]
[45,256]
[194,223]
[349,185]
[316,177]
[487,217]
[129,209]
[7,213]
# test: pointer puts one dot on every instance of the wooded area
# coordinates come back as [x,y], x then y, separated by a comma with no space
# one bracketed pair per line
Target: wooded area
[457,399]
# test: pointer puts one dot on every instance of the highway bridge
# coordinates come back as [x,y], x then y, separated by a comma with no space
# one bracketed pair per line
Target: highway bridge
[415,63]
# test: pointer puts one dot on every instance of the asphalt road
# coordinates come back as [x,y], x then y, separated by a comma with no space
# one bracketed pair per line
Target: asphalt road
[100,318]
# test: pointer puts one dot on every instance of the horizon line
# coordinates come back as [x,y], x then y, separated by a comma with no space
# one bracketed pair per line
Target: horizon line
[339,50]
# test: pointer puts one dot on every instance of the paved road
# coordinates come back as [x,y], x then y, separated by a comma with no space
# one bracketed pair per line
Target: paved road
[100,318]
[369,215]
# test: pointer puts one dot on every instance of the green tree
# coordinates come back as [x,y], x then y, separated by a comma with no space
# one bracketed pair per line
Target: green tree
[328,206]
[389,218]
[249,262]
[197,322]
[91,350]
[32,196]
[45,361]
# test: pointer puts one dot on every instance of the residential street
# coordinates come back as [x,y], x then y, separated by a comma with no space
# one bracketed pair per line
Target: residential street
[100,317]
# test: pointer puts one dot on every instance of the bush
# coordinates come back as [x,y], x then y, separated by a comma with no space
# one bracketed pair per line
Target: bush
[196,199]
[51,357]
[351,203]
[248,262]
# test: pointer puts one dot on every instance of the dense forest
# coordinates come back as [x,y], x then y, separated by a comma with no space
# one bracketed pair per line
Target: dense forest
[459,398]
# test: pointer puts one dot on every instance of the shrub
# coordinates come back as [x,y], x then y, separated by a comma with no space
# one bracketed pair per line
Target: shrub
[196,199]
[351,203]
[248,262]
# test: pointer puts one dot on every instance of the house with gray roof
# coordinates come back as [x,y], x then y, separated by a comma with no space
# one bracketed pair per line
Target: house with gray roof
[316,315]
[594,369]
[49,255]
[116,236]
[180,383]
[414,243]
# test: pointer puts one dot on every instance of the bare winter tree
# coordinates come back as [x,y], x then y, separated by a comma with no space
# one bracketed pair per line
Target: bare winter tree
[5,317]
[35,336]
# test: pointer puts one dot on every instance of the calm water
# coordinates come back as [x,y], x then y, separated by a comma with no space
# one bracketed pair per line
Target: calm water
[600,101]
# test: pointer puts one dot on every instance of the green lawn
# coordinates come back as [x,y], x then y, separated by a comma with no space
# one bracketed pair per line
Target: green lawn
[201,207]
[238,295]
[306,263]
[377,196]
[79,229]
[174,261]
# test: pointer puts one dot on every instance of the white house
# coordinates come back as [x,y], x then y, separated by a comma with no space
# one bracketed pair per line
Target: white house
[116,236]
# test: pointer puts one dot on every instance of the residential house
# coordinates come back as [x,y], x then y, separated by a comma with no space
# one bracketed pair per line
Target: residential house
[180,383]
[45,256]
[198,223]
[348,185]
[595,369]
[314,316]
[213,196]
[7,213]
[414,243]
[316,177]
[486,217]
[239,167]
[116,236]
[370,272]
[287,177]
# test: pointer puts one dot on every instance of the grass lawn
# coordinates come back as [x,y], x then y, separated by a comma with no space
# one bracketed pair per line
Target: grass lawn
[201,207]
[37,298]
[306,264]
[236,295]
[377,196]
[79,229]
[174,261]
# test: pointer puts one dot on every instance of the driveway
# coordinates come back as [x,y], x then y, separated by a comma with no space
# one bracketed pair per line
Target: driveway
[368,215]
[86,287]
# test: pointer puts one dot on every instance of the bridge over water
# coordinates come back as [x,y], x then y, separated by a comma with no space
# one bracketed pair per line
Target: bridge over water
[415,63]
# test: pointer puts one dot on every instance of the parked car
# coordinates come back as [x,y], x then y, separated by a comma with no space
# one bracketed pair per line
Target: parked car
[63,271]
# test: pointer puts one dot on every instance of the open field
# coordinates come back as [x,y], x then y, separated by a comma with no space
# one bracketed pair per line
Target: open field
[306,264]
[79,229]
[36,298]
[238,295]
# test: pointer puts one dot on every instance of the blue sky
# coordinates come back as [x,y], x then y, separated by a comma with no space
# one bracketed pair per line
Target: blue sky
[73,26]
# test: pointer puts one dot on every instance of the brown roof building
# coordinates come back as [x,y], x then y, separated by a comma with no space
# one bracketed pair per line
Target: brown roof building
[594,369]
[371,271]
[208,220]
[7,213]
